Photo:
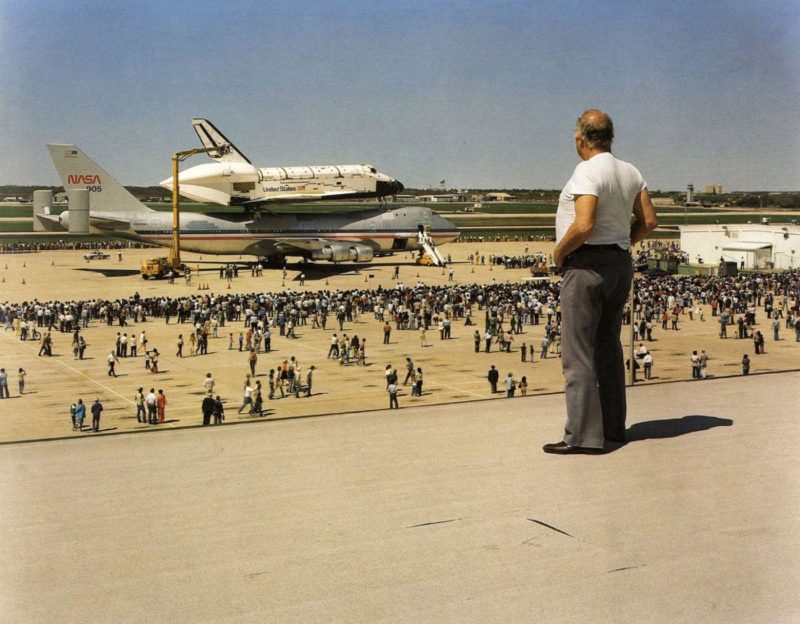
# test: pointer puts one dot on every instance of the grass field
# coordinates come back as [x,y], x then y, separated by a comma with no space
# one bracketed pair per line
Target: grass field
[16,226]
[525,233]
[538,215]
[80,238]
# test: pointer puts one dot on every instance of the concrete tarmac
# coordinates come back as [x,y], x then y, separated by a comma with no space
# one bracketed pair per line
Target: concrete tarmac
[453,372]
[426,514]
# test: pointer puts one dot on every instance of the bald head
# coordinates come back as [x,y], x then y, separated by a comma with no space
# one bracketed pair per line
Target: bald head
[596,128]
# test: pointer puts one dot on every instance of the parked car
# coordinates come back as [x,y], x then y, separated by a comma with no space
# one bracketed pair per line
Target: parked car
[95,255]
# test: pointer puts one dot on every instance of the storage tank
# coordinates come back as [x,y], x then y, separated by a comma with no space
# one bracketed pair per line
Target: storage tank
[79,211]
[42,202]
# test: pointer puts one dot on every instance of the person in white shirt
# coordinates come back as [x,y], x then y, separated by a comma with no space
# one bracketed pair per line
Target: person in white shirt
[594,233]
[152,407]
[648,365]
[248,398]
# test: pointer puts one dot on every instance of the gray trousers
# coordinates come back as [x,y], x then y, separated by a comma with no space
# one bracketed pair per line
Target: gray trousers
[593,294]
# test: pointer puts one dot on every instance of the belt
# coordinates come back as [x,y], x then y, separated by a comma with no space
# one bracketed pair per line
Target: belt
[608,247]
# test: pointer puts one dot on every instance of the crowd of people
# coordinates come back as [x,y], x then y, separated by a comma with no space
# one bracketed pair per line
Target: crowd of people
[660,250]
[499,312]
[62,245]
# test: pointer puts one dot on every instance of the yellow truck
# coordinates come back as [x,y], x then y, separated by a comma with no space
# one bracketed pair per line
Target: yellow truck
[424,259]
[158,268]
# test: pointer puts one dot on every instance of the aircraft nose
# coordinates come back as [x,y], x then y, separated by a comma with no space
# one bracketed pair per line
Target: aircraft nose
[389,187]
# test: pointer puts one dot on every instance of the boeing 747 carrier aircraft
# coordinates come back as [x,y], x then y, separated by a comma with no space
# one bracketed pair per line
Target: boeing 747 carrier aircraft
[337,237]
[234,181]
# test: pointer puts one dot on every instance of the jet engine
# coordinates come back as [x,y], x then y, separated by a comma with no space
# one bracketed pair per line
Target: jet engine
[343,252]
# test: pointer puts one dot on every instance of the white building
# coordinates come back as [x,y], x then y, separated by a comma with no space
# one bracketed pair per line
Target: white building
[497,197]
[750,245]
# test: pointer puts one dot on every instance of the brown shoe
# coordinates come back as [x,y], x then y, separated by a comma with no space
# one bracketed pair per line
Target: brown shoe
[562,448]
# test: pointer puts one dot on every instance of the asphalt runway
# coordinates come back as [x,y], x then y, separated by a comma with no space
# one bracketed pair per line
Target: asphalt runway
[427,514]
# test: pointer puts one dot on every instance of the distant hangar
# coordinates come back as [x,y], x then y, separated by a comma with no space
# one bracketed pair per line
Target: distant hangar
[750,246]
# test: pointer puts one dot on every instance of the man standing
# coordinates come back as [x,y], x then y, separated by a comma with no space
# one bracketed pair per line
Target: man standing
[139,399]
[219,411]
[493,376]
[594,235]
[112,361]
[511,386]
[409,370]
[252,360]
[695,360]
[392,390]
[97,408]
[208,409]
[309,380]
[648,365]
[150,401]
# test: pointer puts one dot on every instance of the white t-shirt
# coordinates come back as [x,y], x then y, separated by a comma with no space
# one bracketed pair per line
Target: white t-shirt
[616,184]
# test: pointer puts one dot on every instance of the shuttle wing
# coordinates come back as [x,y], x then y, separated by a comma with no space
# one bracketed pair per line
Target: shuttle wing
[294,197]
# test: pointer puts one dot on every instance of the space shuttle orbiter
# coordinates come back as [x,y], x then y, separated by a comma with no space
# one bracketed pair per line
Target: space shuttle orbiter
[232,180]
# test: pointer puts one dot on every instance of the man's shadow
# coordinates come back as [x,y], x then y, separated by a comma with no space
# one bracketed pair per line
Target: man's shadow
[673,427]
[670,428]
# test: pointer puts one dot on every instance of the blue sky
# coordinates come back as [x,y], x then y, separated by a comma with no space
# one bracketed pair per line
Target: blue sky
[481,94]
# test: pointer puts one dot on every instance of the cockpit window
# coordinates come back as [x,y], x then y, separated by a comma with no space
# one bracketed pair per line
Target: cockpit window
[373,170]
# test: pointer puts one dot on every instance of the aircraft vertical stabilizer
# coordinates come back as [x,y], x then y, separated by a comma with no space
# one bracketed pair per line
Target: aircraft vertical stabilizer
[78,171]
[211,137]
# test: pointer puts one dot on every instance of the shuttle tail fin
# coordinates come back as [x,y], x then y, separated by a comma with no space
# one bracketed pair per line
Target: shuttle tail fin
[211,137]
[78,171]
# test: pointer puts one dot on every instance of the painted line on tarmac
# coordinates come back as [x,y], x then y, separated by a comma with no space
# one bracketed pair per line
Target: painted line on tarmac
[49,361]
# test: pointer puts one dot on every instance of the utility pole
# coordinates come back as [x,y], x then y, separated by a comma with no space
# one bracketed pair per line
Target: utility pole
[178,157]
[631,351]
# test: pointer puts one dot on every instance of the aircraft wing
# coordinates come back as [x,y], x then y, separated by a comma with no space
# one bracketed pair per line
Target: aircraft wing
[302,244]
[107,223]
[337,250]
[54,222]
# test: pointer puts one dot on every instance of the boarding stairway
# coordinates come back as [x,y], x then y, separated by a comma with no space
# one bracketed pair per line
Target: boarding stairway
[429,246]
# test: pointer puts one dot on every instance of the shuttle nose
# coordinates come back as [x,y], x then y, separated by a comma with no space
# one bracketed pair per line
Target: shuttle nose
[390,187]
